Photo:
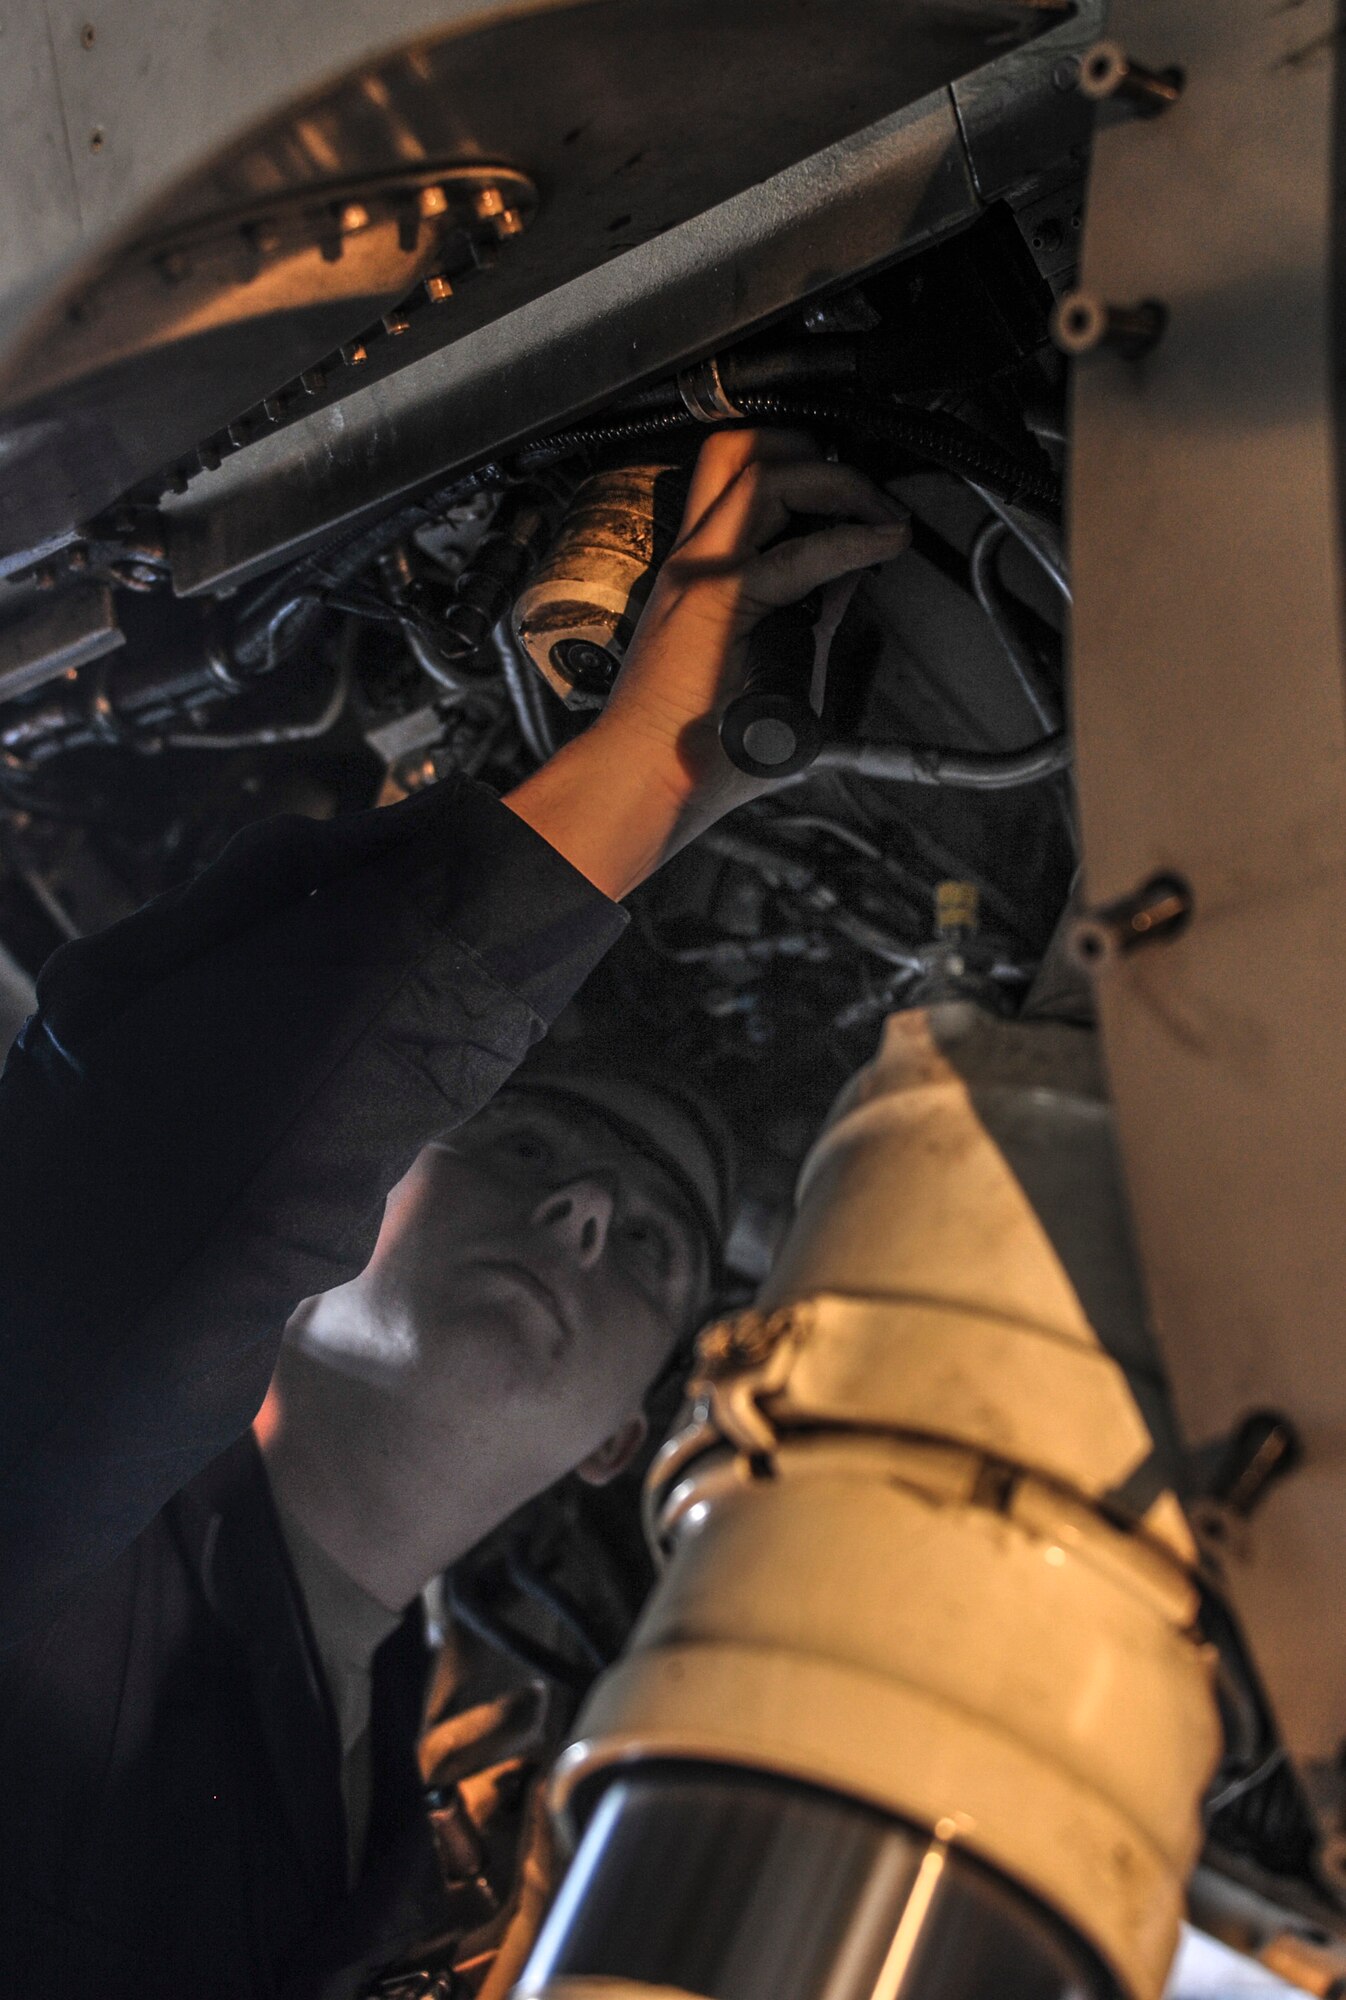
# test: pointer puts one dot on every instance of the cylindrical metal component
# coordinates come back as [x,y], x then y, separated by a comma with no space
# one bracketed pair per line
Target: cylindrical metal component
[920,1549]
[1107,71]
[771,730]
[1082,324]
[770,1890]
[1161,908]
[576,616]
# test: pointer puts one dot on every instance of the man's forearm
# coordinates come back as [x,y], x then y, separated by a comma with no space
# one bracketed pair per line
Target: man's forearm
[206,1112]
[610,807]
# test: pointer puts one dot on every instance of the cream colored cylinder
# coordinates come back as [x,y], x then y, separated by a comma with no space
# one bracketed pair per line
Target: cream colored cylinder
[888,1569]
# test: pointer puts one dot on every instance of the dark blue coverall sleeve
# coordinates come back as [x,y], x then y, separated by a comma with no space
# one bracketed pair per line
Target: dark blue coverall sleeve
[199,1124]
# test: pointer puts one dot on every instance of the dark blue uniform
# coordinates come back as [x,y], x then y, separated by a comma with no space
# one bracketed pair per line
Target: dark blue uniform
[197,1129]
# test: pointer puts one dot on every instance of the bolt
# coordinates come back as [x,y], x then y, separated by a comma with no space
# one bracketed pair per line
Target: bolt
[1082,323]
[45,577]
[1107,71]
[1263,1449]
[491,206]
[210,457]
[354,216]
[437,289]
[77,556]
[355,354]
[433,201]
[273,409]
[957,907]
[1162,908]
[96,138]
[1066,74]
[313,381]
[396,322]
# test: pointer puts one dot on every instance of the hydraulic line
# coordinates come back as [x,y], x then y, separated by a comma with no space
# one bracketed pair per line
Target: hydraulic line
[274,733]
[528,695]
[288,609]
[1009,623]
[927,435]
[968,770]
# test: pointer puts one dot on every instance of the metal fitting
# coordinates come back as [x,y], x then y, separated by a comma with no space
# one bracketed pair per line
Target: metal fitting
[1107,72]
[1082,323]
[1161,909]
[704,393]
[1264,1448]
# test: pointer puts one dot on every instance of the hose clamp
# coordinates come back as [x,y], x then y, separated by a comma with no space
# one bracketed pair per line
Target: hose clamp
[704,394]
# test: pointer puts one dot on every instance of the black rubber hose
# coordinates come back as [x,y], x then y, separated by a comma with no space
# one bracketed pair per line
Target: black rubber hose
[927,435]
[968,770]
[287,610]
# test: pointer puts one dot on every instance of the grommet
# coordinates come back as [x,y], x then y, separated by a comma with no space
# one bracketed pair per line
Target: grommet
[1108,73]
[1083,323]
[1161,909]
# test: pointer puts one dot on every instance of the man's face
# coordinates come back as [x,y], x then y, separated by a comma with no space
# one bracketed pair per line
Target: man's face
[531,1279]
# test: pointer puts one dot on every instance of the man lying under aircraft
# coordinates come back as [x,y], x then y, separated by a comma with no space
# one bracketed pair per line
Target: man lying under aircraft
[198,1128]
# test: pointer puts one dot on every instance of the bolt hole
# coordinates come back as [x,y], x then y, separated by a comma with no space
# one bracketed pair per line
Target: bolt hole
[96,139]
[86,35]
[1078,320]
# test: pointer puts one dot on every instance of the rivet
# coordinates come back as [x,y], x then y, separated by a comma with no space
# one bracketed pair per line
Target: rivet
[1160,909]
[1082,323]
[1107,71]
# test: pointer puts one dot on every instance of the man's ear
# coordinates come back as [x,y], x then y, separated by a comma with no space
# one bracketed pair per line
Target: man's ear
[615,1453]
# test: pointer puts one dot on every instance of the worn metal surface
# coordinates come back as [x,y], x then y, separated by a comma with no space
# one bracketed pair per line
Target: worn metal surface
[1024,114]
[55,635]
[627,114]
[1209,714]
[843,210]
[900,182]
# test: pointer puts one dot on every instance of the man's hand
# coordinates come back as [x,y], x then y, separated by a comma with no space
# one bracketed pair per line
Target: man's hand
[650,774]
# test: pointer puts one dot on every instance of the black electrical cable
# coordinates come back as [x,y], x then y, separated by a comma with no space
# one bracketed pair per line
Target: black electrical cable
[928,435]
[288,608]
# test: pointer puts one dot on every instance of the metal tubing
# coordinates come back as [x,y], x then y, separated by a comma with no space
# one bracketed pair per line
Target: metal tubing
[971,770]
